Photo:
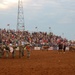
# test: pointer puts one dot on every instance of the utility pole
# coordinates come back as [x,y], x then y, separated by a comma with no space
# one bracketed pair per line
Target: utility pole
[20,17]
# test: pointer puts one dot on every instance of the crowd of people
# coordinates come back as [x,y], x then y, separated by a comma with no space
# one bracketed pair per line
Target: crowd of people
[34,39]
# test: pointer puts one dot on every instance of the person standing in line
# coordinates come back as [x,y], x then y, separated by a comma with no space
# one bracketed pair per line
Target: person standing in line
[60,45]
[64,46]
[1,47]
[14,50]
[28,50]
[23,43]
[7,51]
[1,51]
[20,49]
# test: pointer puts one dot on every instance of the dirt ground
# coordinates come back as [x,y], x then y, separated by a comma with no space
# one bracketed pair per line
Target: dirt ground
[40,63]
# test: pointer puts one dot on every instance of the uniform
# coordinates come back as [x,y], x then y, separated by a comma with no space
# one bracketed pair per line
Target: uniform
[1,52]
[28,50]
[60,46]
[7,51]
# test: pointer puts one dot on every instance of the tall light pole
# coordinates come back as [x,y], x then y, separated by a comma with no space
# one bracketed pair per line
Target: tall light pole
[20,17]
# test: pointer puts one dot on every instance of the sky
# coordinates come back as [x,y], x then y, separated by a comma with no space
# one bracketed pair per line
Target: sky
[58,15]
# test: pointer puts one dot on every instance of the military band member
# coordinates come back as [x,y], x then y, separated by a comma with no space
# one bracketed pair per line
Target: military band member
[7,51]
[1,51]
[21,48]
[28,50]
[60,45]
[64,46]
[1,47]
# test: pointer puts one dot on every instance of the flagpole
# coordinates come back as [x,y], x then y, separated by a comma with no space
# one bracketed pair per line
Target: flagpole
[9,29]
[49,29]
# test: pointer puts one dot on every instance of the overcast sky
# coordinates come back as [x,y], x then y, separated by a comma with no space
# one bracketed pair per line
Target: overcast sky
[57,14]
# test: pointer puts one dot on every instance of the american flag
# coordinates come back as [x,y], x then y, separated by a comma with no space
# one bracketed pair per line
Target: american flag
[8,24]
[35,27]
[49,27]
[22,26]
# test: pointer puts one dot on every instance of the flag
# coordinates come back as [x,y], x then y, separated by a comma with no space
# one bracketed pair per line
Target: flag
[22,26]
[49,27]
[8,24]
[35,27]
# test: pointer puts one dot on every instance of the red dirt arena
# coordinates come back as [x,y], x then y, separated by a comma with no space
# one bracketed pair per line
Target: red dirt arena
[40,63]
